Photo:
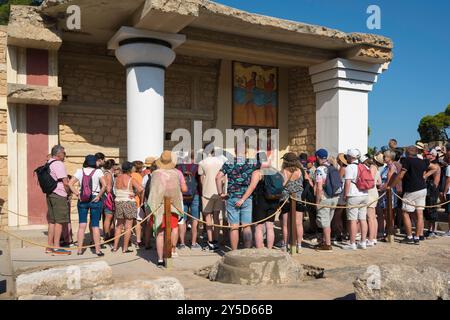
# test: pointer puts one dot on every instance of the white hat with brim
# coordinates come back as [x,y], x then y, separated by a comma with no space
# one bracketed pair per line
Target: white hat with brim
[420,145]
[354,153]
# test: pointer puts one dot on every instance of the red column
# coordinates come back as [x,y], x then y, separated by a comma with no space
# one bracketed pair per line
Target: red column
[37,136]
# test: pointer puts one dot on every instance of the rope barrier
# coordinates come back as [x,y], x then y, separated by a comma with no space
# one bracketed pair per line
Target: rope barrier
[24,216]
[231,227]
[425,207]
[339,207]
[83,247]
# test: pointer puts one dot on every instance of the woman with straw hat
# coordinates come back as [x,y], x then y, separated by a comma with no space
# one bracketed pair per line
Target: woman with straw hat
[167,181]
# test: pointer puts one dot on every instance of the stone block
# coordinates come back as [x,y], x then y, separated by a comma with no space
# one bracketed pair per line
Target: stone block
[57,281]
[257,267]
[161,289]
[401,282]
[30,94]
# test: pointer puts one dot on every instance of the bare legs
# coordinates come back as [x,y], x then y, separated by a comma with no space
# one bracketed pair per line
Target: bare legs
[270,235]
[182,228]
[299,227]
[107,225]
[95,236]
[212,218]
[194,231]
[372,224]
[121,225]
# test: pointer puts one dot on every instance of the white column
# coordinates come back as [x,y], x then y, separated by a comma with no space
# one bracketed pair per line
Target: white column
[342,87]
[146,55]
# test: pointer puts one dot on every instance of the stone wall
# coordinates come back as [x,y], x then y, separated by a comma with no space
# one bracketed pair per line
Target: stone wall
[302,112]
[3,130]
[92,117]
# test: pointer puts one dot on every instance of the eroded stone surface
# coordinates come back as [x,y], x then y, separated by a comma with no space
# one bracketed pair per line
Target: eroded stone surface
[62,280]
[401,282]
[256,267]
[29,94]
[161,289]
[27,28]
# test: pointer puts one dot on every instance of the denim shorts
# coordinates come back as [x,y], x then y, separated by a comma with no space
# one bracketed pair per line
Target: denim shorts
[193,208]
[95,209]
[242,215]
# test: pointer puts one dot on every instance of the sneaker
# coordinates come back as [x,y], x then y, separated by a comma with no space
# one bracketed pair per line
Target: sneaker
[181,246]
[447,234]
[299,248]
[212,246]
[284,248]
[375,242]
[196,246]
[279,244]
[417,241]
[421,238]
[48,250]
[174,254]
[61,252]
[160,264]
[351,246]
[407,240]
[362,245]
[431,235]
[370,243]
[324,248]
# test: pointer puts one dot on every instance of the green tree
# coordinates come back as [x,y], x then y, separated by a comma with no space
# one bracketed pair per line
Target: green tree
[6,4]
[434,128]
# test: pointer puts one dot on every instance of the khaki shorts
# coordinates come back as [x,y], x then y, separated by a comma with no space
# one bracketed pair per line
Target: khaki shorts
[58,209]
[417,198]
[215,203]
[325,215]
[354,214]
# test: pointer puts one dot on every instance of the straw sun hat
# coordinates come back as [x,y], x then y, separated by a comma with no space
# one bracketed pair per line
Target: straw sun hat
[166,161]
[149,161]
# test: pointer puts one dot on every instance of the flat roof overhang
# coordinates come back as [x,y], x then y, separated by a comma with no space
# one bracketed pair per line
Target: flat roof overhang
[218,31]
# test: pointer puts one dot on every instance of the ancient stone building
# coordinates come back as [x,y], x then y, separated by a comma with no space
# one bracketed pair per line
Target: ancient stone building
[137,70]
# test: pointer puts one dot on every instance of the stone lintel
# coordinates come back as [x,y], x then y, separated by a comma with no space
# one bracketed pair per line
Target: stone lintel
[165,15]
[368,54]
[31,94]
[28,29]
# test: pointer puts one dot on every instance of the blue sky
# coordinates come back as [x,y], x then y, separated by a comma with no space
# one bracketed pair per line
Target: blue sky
[418,80]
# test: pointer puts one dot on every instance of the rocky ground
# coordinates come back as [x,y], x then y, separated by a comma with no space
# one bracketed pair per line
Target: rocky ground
[341,269]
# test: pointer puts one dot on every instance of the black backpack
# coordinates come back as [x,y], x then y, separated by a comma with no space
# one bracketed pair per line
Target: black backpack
[46,181]
[147,187]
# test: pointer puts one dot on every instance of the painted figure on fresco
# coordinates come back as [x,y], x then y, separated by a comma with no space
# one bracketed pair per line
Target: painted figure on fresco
[255,97]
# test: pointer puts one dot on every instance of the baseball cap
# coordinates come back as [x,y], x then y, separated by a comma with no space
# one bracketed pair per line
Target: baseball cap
[322,154]
[363,158]
[354,153]
[90,161]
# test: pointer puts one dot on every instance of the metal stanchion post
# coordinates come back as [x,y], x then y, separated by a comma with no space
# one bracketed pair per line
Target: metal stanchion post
[167,232]
[293,227]
[389,216]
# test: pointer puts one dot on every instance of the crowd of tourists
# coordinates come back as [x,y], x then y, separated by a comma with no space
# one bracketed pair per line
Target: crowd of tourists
[239,199]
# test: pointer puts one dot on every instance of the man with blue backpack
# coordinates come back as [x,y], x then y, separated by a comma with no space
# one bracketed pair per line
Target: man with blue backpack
[328,187]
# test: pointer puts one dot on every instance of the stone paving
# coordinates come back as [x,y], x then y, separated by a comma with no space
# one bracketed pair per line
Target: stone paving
[341,268]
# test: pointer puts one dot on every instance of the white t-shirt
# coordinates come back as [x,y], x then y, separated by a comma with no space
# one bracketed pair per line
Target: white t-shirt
[209,168]
[447,174]
[351,173]
[96,187]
